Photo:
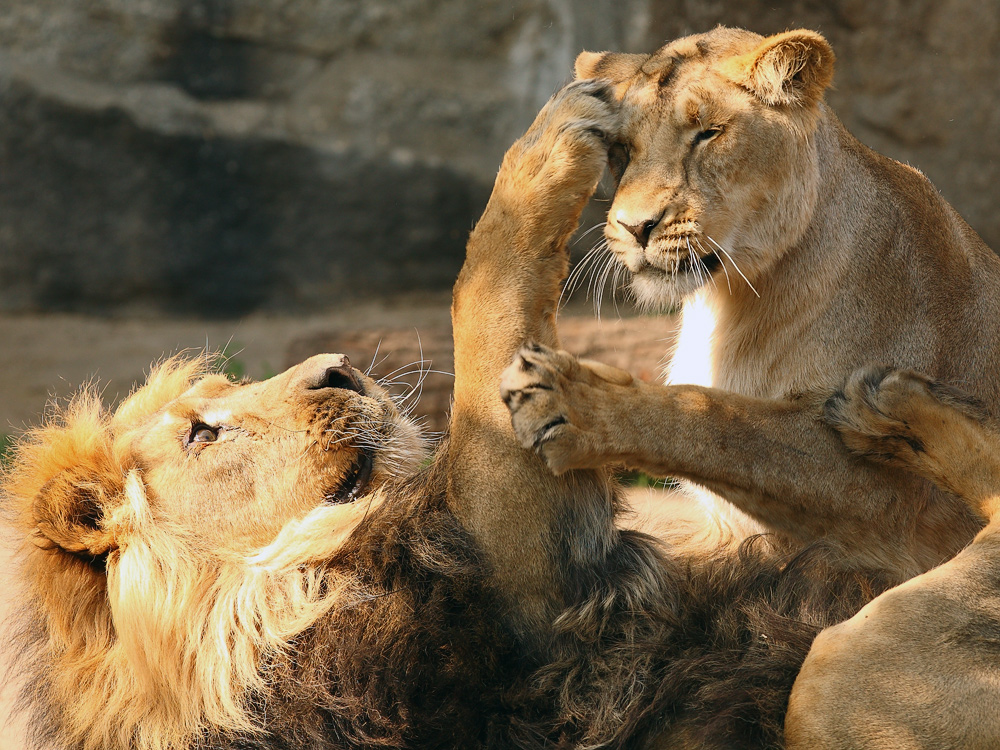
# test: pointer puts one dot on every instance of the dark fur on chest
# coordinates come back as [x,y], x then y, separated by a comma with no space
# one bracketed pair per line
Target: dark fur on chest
[710,665]
[417,656]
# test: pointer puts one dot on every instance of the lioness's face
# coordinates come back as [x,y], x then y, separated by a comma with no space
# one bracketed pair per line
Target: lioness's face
[234,462]
[714,178]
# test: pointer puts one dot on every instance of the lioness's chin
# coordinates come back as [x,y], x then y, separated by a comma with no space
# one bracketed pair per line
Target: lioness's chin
[655,289]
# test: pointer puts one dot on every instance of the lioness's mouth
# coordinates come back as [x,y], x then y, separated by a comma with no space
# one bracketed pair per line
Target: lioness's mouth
[355,483]
[687,264]
[709,263]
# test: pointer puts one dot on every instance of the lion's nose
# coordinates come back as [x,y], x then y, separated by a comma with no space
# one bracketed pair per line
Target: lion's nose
[339,374]
[642,230]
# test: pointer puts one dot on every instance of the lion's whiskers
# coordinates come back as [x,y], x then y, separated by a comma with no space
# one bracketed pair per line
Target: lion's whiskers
[726,253]
[587,263]
[373,365]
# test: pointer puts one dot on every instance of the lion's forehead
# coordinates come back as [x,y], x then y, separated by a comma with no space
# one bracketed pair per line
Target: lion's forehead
[210,386]
[211,400]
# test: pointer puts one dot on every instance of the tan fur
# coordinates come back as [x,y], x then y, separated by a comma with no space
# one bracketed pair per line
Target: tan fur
[918,667]
[166,573]
[507,293]
[799,256]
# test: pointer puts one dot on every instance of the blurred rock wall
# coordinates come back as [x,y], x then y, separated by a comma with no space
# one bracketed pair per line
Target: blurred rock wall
[219,156]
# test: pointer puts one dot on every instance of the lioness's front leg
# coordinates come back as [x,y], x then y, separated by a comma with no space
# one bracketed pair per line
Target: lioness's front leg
[775,459]
[507,292]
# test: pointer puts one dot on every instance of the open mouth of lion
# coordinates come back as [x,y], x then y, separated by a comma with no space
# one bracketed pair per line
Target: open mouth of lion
[355,483]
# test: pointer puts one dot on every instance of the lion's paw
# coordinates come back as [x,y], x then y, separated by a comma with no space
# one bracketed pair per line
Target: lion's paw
[545,390]
[872,413]
[565,149]
[892,415]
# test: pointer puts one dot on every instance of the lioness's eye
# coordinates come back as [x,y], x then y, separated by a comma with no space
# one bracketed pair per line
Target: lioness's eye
[202,433]
[705,135]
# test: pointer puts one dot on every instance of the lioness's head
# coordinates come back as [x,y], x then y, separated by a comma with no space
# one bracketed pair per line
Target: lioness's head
[176,542]
[716,167]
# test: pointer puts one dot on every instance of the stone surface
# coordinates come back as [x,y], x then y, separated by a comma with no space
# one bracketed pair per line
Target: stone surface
[220,156]
[99,212]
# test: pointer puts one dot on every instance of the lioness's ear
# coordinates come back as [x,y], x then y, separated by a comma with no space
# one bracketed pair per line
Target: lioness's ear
[68,511]
[792,68]
[613,66]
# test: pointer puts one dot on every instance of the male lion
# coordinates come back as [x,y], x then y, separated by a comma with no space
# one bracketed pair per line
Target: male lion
[219,565]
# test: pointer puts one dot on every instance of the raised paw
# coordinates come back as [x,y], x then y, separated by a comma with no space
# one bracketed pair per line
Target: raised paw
[555,403]
[565,150]
[908,420]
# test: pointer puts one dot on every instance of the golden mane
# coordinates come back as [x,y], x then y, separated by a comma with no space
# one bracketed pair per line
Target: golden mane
[146,637]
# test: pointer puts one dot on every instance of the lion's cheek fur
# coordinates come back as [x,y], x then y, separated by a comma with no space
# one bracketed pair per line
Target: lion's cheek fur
[178,649]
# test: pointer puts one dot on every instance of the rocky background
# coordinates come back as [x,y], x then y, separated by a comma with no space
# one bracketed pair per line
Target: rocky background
[215,157]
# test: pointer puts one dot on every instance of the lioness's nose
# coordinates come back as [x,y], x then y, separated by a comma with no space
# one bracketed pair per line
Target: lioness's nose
[332,371]
[642,230]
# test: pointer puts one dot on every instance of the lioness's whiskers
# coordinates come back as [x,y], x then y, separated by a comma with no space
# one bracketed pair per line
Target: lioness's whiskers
[702,270]
[595,268]
[617,282]
[721,262]
[695,263]
[726,253]
[598,225]
[602,284]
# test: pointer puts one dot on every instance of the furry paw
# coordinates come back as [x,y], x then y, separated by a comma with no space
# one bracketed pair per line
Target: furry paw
[554,401]
[894,415]
[565,149]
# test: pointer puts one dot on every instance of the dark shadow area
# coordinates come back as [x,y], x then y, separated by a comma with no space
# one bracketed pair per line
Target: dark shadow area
[204,64]
[100,215]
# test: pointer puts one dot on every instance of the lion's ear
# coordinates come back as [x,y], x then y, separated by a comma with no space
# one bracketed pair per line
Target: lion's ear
[792,68]
[68,511]
[613,66]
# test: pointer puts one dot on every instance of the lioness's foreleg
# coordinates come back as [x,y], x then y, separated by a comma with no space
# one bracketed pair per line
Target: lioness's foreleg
[507,293]
[918,666]
[775,459]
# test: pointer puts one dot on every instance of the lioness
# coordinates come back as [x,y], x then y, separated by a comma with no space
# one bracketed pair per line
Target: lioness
[800,256]
[221,565]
